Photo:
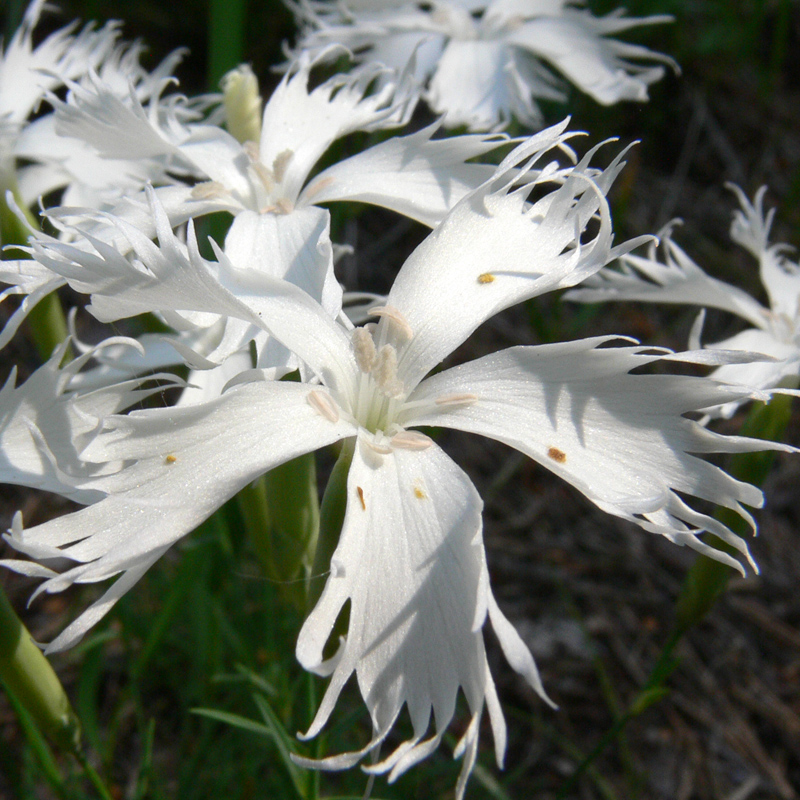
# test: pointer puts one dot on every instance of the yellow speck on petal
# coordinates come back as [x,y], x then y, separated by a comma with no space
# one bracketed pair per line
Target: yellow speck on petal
[557,455]
[486,277]
[419,493]
[170,459]
[361,497]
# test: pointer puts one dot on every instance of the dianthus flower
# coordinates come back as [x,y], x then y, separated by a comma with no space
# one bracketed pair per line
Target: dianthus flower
[486,62]
[676,278]
[410,557]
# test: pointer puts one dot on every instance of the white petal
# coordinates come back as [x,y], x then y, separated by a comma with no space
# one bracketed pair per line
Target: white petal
[622,439]
[44,425]
[666,274]
[305,123]
[494,250]
[295,247]
[474,85]
[414,175]
[204,452]
[781,277]
[574,45]
[412,523]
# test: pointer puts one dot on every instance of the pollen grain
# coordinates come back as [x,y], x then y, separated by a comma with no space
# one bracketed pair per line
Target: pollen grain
[486,277]
[557,455]
[360,492]
[170,459]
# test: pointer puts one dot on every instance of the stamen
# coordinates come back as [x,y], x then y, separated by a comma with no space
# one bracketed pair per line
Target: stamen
[379,446]
[252,151]
[364,348]
[317,187]
[284,206]
[280,164]
[264,175]
[456,399]
[207,190]
[385,372]
[323,404]
[411,440]
[395,316]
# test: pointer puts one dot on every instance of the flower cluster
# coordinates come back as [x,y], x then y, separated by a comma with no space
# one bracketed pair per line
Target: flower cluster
[139,172]
[486,61]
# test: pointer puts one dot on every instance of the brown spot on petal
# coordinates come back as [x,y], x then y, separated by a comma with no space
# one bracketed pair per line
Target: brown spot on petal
[361,497]
[419,493]
[557,455]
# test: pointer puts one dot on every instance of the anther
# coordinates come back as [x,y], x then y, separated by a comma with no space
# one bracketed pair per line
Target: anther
[264,175]
[456,399]
[280,164]
[378,445]
[317,187]
[486,277]
[411,440]
[252,151]
[207,190]
[385,372]
[323,404]
[395,316]
[364,348]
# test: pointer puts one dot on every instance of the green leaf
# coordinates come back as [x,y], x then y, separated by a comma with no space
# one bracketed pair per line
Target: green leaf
[235,720]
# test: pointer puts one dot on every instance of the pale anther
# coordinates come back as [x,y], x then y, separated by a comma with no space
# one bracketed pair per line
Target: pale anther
[252,151]
[284,206]
[456,399]
[207,190]
[395,316]
[364,349]
[280,163]
[411,440]
[381,447]
[323,404]
[317,187]
[385,372]
[264,175]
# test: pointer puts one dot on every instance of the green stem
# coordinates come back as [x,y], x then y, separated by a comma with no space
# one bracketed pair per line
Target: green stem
[91,774]
[27,675]
[226,38]
[331,518]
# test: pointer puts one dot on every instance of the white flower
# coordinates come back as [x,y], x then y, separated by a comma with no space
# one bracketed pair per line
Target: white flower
[266,185]
[209,305]
[413,519]
[272,175]
[64,154]
[678,279]
[45,422]
[27,73]
[485,62]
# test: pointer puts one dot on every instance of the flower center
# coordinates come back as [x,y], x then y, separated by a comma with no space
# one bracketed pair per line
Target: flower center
[380,393]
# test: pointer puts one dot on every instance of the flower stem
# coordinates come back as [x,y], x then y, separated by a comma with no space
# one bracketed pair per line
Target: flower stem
[28,676]
[331,518]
